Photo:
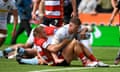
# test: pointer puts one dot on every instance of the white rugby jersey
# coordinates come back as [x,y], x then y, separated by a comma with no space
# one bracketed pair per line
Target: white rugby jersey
[5,7]
[62,34]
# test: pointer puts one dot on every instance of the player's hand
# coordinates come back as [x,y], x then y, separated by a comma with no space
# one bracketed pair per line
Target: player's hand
[74,14]
[82,35]
[33,16]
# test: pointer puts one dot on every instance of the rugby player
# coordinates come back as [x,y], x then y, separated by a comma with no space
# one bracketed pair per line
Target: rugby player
[5,7]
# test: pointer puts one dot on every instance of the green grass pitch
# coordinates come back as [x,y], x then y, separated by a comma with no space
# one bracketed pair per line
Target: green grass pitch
[105,54]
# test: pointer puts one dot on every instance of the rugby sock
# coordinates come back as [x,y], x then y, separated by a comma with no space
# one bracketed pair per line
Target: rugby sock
[21,51]
[1,54]
[83,58]
[92,58]
[33,61]
[8,50]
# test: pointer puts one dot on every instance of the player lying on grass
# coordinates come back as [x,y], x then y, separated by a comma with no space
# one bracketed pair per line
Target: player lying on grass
[92,58]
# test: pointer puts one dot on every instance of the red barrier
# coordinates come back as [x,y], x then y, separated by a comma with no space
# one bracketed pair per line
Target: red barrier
[100,18]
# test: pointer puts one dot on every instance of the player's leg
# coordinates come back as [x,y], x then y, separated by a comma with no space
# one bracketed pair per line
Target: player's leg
[27,27]
[91,56]
[78,49]
[68,51]
[88,53]
[117,59]
[32,61]
[74,49]
[28,56]
[3,34]
[8,51]
[28,53]
[19,31]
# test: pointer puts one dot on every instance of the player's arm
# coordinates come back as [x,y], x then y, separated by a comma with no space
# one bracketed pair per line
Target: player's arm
[41,60]
[114,3]
[15,14]
[58,41]
[35,7]
[84,30]
[115,11]
[56,47]
[74,7]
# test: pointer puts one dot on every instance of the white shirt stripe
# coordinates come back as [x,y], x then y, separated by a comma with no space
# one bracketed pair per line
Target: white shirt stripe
[55,13]
[52,3]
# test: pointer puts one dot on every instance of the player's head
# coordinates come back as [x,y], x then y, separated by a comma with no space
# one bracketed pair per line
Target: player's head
[74,24]
[39,32]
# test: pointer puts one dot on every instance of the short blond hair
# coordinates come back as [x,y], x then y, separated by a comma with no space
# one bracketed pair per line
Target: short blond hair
[37,30]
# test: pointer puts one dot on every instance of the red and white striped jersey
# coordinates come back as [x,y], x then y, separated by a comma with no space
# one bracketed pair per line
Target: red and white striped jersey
[54,8]
[41,44]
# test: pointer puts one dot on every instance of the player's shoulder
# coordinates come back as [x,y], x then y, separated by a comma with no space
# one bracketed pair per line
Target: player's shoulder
[62,29]
[39,41]
[65,27]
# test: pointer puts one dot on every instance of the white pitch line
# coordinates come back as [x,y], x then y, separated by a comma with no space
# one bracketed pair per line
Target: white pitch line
[63,69]
[114,65]
[70,68]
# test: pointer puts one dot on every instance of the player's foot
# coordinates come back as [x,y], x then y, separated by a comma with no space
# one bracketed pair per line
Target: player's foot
[101,64]
[13,55]
[1,54]
[5,54]
[117,60]
[18,59]
[20,51]
[59,60]
[90,64]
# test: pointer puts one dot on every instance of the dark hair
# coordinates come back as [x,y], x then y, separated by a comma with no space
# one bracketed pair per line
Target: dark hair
[75,20]
[37,30]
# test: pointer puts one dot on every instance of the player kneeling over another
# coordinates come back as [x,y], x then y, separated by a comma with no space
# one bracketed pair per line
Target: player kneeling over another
[65,49]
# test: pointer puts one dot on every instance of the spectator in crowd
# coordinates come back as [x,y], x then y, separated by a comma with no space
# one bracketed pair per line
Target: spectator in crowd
[24,10]
[104,6]
[87,6]
[5,7]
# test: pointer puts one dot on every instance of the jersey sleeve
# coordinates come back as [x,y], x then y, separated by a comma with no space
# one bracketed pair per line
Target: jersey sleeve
[59,36]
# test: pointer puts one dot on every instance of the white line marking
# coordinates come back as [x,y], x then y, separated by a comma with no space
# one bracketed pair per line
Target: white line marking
[63,69]
[114,65]
[70,68]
